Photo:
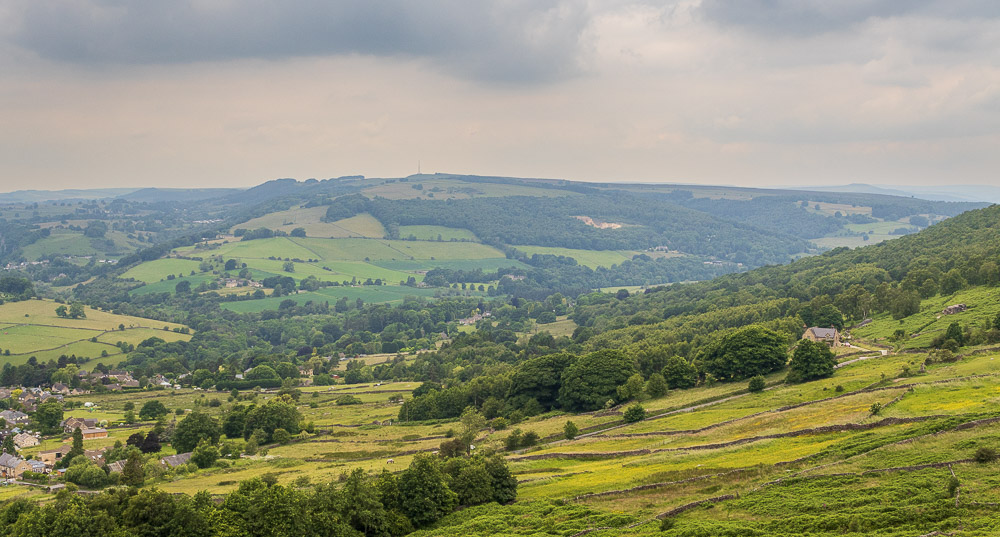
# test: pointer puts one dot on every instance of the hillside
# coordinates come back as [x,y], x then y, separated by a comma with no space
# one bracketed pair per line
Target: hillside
[32,329]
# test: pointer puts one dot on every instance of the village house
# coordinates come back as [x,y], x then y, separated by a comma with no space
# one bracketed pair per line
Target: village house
[29,466]
[14,416]
[174,461]
[60,388]
[94,433]
[51,456]
[71,424]
[8,463]
[25,440]
[830,336]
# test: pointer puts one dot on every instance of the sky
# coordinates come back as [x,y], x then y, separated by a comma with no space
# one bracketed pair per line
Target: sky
[231,93]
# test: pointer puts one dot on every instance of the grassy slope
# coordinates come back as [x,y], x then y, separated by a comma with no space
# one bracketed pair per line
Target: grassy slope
[31,328]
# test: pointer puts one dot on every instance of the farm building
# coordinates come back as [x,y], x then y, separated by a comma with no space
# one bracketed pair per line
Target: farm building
[830,336]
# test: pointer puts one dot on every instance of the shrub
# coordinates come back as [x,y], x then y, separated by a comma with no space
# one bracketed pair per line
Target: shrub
[756,384]
[985,454]
[839,388]
[570,430]
[635,413]
[952,486]
[529,439]
[499,424]
[281,436]
[875,409]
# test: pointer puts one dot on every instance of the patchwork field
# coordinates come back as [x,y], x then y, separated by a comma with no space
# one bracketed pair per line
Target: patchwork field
[921,328]
[431,187]
[31,328]
[311,219]
[590,258]
[433,233]
[767,462]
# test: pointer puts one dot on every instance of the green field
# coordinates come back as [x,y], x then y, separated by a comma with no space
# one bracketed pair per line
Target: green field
[921,328]
[159,269]
[433,233]
[821,482]
[439,188]
[369,294]
[589,258]
[31,328]
[170,286]
[311,219]
[487,265]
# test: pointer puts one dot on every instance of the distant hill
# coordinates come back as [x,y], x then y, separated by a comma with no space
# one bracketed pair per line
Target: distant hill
[33,196]
[177,194]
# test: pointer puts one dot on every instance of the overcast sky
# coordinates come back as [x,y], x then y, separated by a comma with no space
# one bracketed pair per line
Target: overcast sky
[102,93]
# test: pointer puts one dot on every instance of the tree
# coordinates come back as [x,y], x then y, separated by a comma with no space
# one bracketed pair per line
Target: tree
[424,494]
[634,413]
[472,423]
[193,429]
[746,352]
[183,287]
[632,389]
[132,473]
[49,415]
[151,444]
[276,414]
[298,232]
[955,332]
[756,384]
[281,436]
[205,454]
[152,410]
[288,266]
[594,378]
[8,444]
[570,430]
[61,311]
[656,386]
[811,360]
[76,311]
[262,372]
[540,378]
[679,373]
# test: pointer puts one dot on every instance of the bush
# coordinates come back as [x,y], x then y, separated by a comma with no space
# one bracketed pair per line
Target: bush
[985,454]
[529,439]
[952,486]
[756,384]
[875,409]
[281,436]
[348,400]
[499,424]
[570,430]
[635,413]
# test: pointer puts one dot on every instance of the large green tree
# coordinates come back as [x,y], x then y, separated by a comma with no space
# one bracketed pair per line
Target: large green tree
[424,492]
[593,379]
[194,428]
[49,415]
[540,378]
[276,414]
[746,352]
[680,373]
[811,360]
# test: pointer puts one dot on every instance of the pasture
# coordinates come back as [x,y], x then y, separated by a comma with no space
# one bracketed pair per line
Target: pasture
[433,233]
[311,219]
[589,258]
[31,328]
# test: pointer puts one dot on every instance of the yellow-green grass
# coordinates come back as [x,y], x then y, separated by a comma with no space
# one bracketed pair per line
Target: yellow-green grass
[46,336]
[983,304]
[563,326]
[486,265]
[372,294]
[60,242]
[850,241]
[280,247]
[879,228]
[159,269]
[455,189]
[831,209]
[170,286]
[589,258]
[43,312]
[311,220]
[433,233]
[339,270]
[138,335]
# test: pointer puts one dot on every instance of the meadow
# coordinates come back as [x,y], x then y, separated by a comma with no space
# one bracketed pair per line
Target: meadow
[311,220]
[589,258]
[32,328]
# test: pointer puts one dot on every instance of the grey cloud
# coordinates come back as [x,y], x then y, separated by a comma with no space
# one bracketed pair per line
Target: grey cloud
[511,41]
[808,17]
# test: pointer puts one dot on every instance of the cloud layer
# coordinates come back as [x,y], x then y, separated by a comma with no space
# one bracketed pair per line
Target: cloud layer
[113,92]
